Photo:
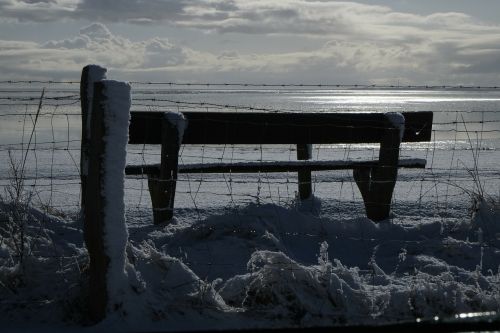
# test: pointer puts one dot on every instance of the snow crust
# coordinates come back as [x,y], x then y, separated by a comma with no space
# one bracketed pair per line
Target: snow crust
[177,120]
[116,118]
[398,121]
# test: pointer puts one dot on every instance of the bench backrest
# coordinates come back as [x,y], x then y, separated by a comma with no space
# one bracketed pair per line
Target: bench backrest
[280,128]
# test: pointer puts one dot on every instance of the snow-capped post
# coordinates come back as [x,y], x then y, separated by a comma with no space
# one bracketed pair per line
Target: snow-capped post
[90,75]
[376,184]
[105,231]
[162,187]
[304,152]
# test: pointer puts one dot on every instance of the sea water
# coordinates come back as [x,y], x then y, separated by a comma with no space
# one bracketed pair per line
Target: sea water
[462,158]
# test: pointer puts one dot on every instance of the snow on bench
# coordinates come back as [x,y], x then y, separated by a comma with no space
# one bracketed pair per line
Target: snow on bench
[270,166]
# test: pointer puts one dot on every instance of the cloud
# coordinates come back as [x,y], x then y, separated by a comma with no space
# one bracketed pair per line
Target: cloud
[343,21]
[131,10]
[426,61]
[37,1]
[339,20]
[80,42]
[307,17]
[96,31]
[94,44]
[159,52]
[36,10]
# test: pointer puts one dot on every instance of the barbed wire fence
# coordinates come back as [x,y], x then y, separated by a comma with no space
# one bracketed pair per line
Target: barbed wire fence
[40,138]
[56,144]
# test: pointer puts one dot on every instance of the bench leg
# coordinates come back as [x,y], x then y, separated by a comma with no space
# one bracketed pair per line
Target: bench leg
[304,177]
[162,198]
[377,184]
[162,186]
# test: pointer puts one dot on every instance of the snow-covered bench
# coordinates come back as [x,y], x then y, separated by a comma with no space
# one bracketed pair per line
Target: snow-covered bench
[375,178]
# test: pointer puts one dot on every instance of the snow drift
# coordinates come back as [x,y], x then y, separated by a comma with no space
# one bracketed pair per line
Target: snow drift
[260,266]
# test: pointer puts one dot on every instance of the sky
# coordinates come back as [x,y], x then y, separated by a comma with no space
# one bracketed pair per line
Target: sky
[254,41]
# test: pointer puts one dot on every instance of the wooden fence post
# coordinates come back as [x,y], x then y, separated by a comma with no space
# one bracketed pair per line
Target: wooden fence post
[90,75]
[104,219]
[304,152]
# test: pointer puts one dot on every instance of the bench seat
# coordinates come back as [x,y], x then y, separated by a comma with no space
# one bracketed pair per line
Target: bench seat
[268,166]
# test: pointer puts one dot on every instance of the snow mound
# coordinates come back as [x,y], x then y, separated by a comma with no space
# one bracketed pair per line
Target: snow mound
[164,290]
[280,289]
[259,266]
[172,285]
[41,262]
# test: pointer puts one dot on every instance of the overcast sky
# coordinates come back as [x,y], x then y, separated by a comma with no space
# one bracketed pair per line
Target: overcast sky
[267,41]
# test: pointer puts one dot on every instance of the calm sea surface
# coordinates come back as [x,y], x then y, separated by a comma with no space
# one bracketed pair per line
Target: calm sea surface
[466,129]
[478,109]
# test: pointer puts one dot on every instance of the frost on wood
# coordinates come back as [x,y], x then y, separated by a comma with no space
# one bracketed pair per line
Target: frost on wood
[177,120]
[116,120]
[398,121]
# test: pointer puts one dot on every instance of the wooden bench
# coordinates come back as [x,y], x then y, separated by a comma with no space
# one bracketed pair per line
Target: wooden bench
[375,178]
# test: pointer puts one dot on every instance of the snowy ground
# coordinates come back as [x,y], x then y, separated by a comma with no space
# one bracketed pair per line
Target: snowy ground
[258,266]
